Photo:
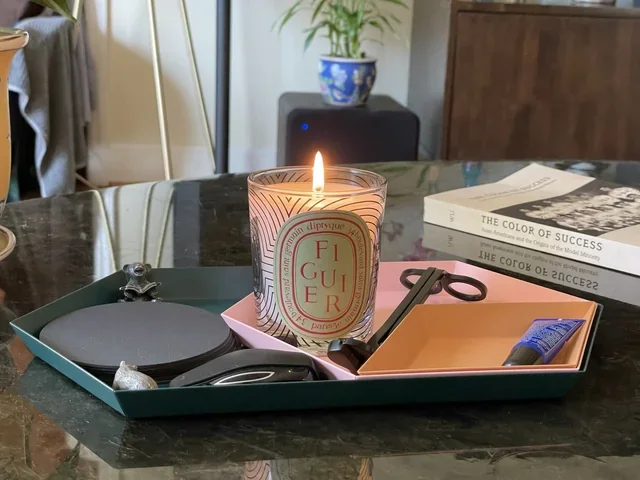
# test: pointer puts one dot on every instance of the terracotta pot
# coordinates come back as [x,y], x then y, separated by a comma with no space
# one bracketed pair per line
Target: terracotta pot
[11,41]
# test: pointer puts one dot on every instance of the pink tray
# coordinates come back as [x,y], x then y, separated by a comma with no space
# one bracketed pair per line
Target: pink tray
[501,289]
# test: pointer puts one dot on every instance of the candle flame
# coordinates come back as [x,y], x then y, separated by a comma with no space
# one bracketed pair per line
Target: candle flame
[318,174]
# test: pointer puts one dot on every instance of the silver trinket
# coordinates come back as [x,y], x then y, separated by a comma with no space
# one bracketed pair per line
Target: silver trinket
[129,378]
[138,288]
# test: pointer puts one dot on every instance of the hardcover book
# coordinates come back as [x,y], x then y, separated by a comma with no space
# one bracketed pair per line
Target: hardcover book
[542,266]
[551,211]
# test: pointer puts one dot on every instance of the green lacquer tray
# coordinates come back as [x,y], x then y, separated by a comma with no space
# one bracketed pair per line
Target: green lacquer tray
[216,289]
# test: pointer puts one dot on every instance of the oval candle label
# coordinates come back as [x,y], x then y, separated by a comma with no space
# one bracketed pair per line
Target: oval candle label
[322,272]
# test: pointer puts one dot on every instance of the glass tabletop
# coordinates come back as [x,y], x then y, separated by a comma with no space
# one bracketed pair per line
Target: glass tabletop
[50,428]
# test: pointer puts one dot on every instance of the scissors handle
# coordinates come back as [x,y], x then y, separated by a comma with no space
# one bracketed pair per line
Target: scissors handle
[449,278]
[446,280]
[416,272]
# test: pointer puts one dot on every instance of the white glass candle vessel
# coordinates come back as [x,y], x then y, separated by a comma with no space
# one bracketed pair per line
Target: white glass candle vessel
[315,236]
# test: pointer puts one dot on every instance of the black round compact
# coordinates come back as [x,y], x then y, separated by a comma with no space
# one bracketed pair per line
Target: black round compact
[162,339]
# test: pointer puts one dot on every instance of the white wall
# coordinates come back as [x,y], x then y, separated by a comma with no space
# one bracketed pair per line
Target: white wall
[263,65]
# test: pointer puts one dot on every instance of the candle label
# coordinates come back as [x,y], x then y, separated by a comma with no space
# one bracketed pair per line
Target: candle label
[322,273]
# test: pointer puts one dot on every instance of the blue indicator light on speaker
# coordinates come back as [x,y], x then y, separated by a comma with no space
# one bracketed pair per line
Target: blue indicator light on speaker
[304,127]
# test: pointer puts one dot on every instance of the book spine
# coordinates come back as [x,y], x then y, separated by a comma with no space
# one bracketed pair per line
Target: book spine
[552,240]
[593,280]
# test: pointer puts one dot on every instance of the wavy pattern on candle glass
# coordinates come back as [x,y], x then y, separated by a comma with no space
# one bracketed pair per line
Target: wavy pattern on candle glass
[269,210]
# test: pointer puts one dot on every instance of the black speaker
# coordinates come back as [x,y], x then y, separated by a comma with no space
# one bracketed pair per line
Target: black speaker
[382,130]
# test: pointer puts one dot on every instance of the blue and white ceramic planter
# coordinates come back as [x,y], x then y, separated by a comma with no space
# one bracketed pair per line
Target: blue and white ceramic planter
[346,82]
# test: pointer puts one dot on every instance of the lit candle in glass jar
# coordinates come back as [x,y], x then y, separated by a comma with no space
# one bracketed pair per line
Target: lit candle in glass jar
[316,248]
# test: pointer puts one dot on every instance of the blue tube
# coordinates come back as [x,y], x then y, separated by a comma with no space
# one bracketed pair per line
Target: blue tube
[542,341]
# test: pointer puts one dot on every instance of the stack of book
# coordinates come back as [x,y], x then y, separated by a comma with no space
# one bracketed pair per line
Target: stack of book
[542,266]
[550,211]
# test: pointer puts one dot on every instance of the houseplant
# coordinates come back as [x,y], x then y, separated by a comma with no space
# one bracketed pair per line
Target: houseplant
[346,72]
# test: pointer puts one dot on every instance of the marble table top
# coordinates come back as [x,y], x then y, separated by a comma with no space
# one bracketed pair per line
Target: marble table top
[52,429]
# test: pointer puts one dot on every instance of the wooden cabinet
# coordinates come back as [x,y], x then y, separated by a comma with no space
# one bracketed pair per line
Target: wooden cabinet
[542,82]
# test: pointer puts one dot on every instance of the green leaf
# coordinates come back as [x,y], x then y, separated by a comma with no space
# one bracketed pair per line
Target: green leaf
[374,7]
[339,11]
[288,14]
[395,18]
[59,6]
[376,24]
[387,23]
[360,16]
[316,12]
[309,39]
[312,31]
